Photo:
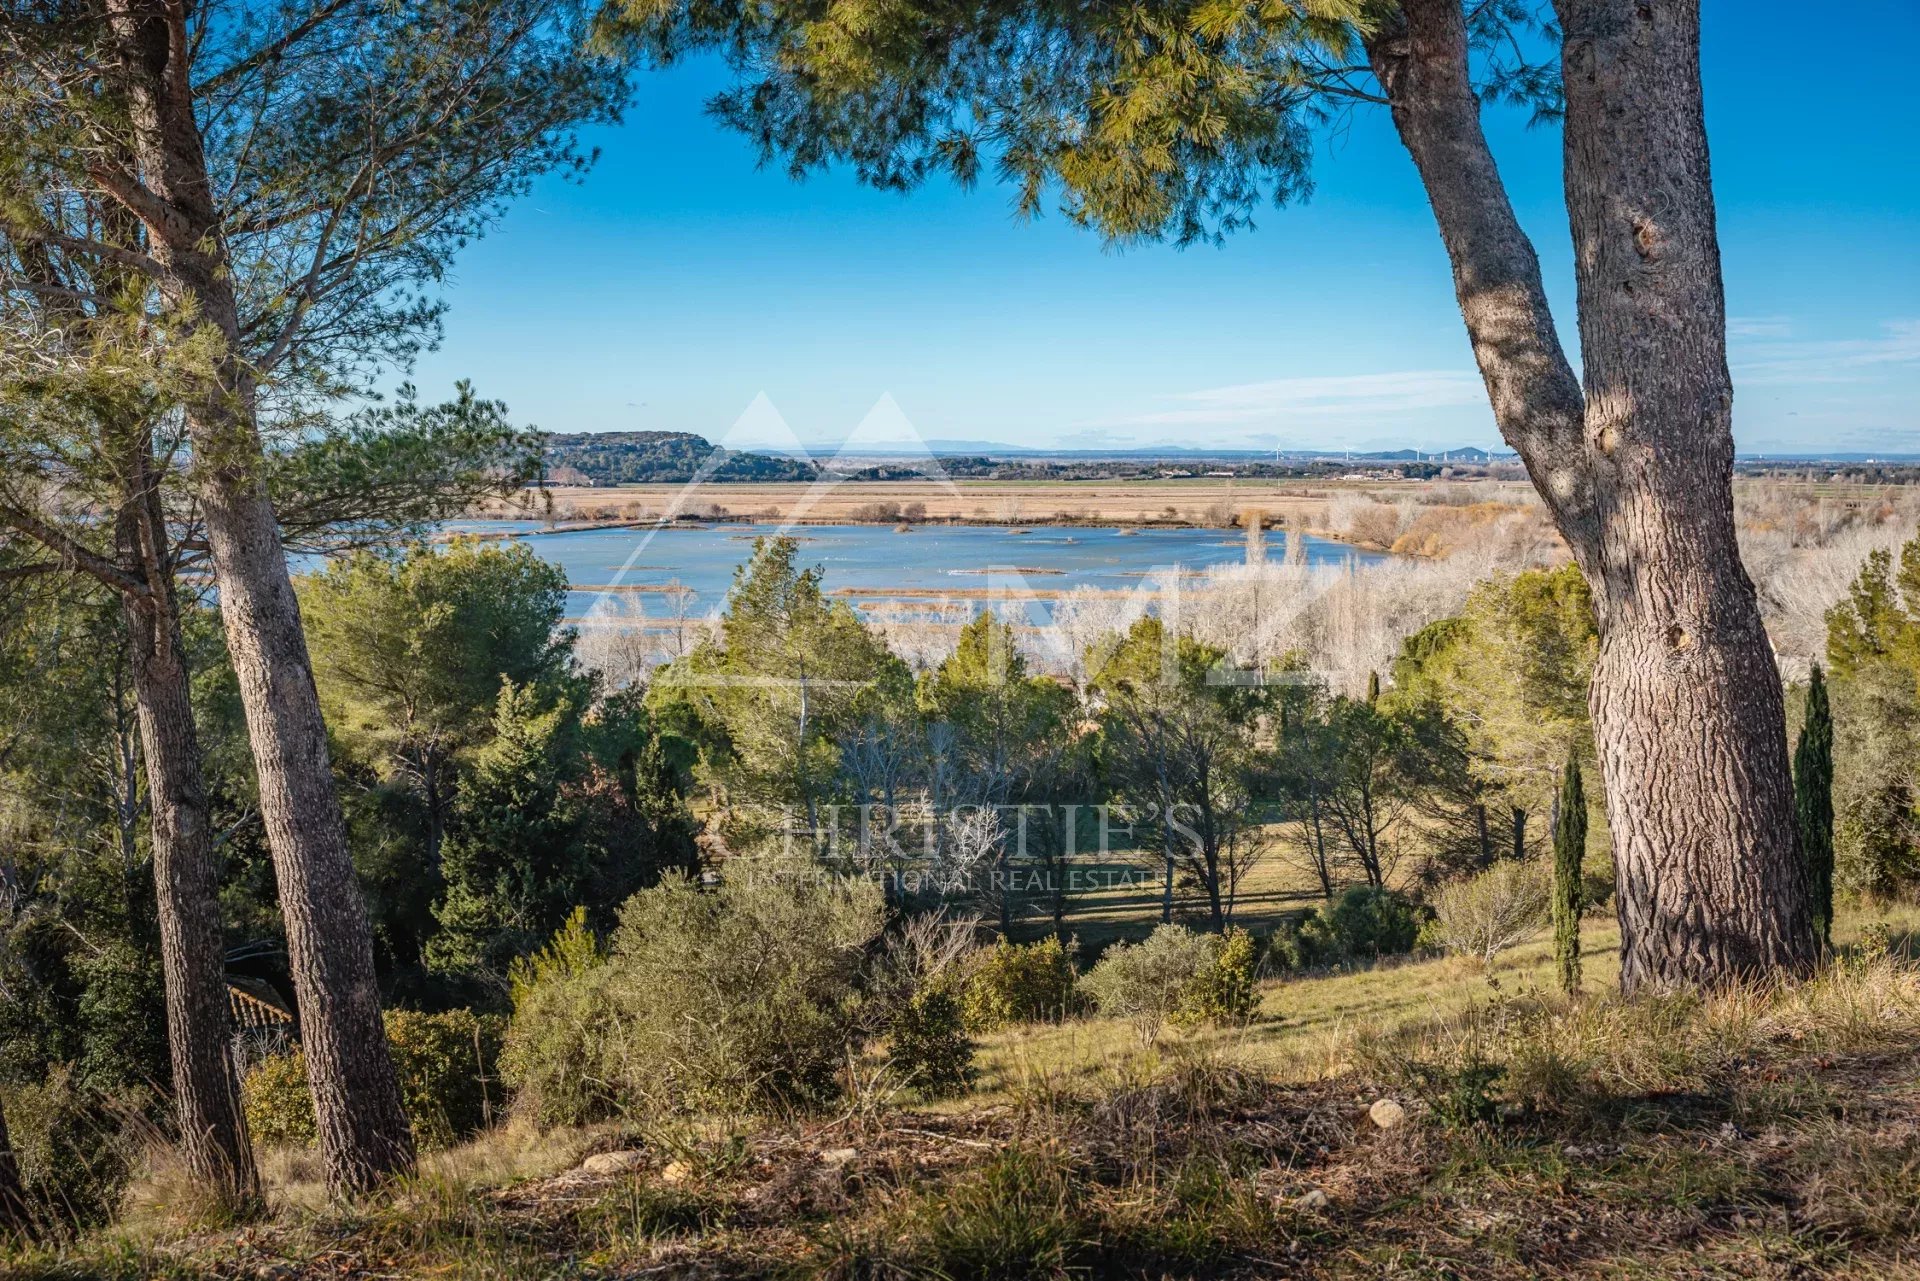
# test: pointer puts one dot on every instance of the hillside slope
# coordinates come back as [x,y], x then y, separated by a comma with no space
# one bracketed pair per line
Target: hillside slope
[656,458]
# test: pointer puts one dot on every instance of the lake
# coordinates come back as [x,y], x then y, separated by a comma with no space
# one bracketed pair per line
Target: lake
[644,570]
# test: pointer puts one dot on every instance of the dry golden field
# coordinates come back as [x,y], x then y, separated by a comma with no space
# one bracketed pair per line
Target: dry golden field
[1195,500]
[1190,499]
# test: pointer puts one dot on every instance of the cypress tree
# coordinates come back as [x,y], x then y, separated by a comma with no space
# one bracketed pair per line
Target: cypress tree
[1373,688]
[1569,847]
[1813,803]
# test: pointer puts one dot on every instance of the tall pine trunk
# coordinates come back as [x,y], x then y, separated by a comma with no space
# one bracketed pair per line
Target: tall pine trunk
[207,1108]
[1636,469]
[213,1130]
[364,1134]
[1688,712]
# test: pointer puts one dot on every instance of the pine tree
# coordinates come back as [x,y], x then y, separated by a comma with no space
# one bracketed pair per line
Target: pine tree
[511,861]
[1569,849]
[1813,803]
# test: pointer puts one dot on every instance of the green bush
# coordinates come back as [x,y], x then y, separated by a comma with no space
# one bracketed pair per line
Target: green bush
[561,1021]
[121,1017]
[1018,983]
[1363,924]
[446,1064]
[278,1102]
[1482,916]
[76,1148]
[741,997]
[928,1042]
[1175,976]
[1224,991]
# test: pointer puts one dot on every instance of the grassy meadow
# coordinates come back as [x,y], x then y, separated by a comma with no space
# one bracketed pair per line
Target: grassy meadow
[1766,1133]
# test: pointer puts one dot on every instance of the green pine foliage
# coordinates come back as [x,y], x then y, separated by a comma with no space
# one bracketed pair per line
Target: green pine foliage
[1178,738]
[1004,718]
[492,785]
[1510,674]
[770,706]
[410,651]
[1142,120]
[80,981]
[511,864]
[541,824]
[1569,854]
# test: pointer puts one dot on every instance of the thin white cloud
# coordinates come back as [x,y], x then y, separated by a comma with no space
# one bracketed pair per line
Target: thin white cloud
[1739,327]
[1836,360]
[1291,401]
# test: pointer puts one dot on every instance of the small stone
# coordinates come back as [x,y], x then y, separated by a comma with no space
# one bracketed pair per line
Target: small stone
[837,1157]
[1386,1113]
[613,1162]
[676,1172]
[1312,1202]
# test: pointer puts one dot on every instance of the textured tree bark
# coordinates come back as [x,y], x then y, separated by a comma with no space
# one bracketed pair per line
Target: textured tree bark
[364,1134]
[1636,469]
[1687,706]
[213,1130]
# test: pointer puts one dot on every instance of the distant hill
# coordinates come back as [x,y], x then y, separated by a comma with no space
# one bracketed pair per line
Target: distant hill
[656,458]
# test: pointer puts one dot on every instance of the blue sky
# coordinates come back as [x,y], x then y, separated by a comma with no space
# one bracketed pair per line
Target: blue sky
[682,288]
